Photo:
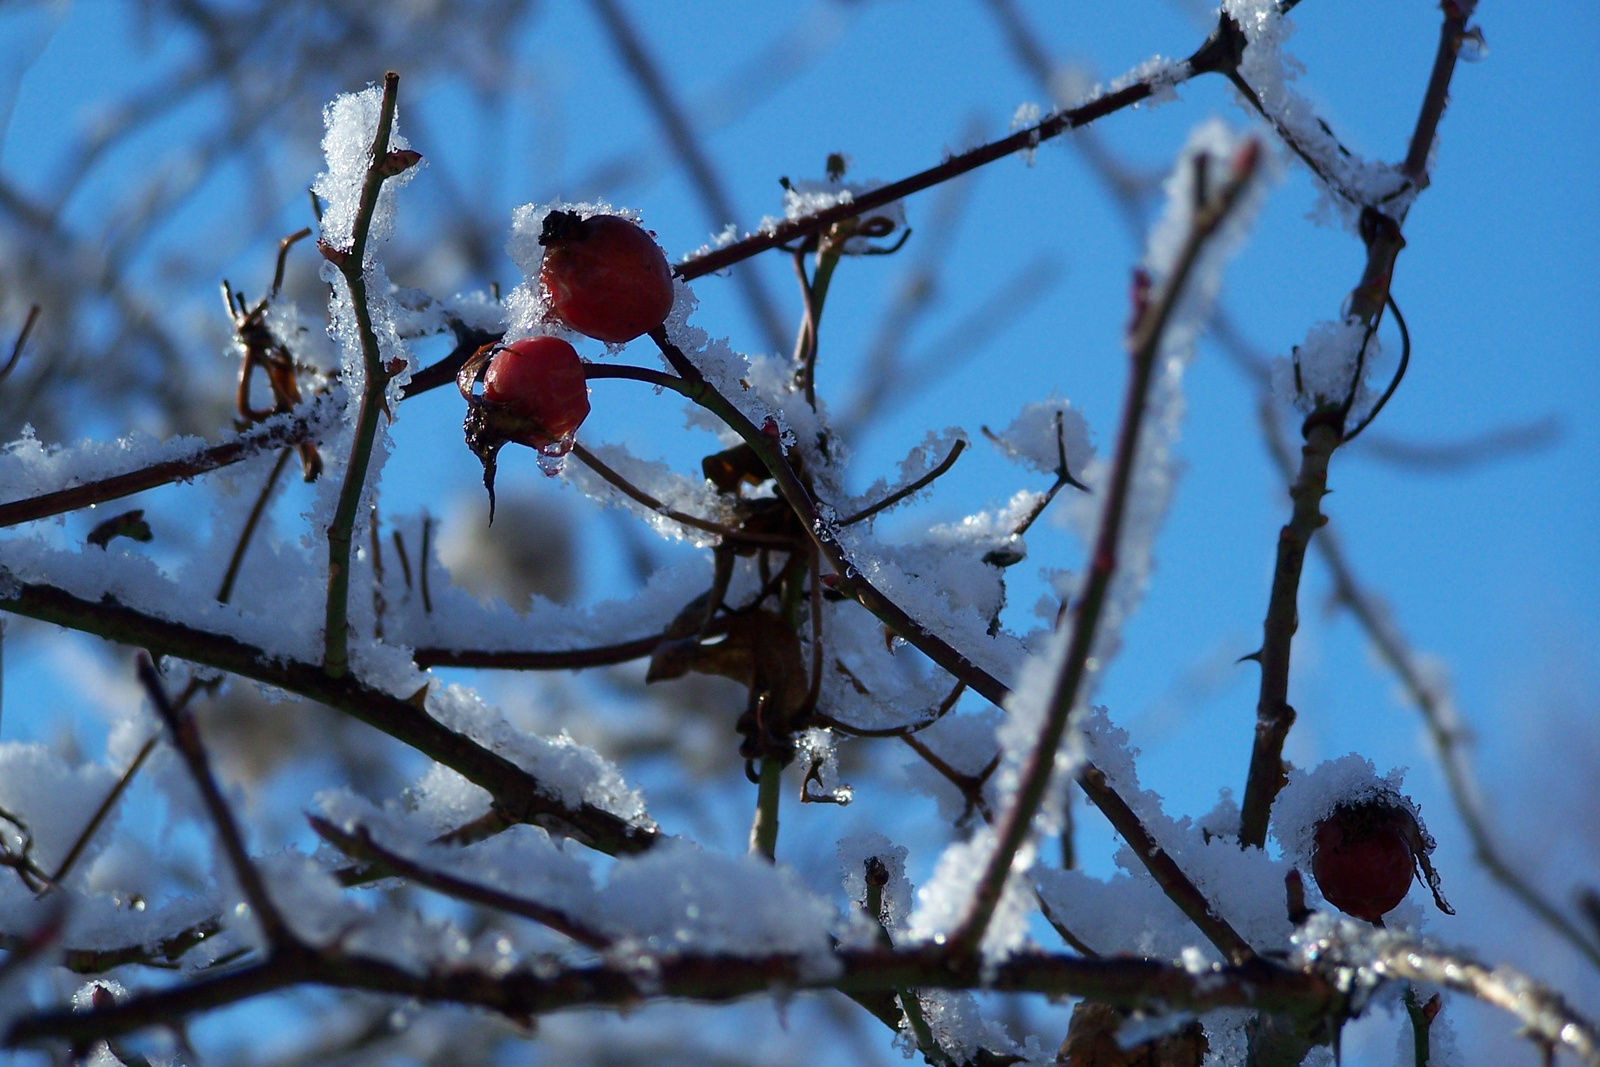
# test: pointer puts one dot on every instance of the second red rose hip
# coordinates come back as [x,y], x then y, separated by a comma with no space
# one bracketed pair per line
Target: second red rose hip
[540,379]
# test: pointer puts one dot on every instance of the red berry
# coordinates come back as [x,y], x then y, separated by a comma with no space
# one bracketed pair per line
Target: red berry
[541,380]
[1364,858]
[605,276]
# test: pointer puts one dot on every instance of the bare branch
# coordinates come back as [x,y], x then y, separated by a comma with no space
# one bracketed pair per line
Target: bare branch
[186,737]
[360,845]
[1144,341]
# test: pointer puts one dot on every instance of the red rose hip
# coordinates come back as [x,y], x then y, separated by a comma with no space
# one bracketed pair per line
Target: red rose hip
[1364,859]
[604,275]
[541,380]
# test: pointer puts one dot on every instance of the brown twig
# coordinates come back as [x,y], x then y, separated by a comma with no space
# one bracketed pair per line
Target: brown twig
[280,431]
[1437,95]
[1204,60]
[556,660]
[358,844]
[1274,716]
[900,494]
[692,385]
[225,593]
[22,341]
[1143,343]
[969,785]
[1173,882]
[633,492]
[186,738]
[106,807]
[426,554]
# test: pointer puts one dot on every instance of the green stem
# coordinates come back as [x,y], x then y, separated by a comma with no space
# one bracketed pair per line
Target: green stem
[336,636]
[919,1027]
[764,828]
[1420,1022]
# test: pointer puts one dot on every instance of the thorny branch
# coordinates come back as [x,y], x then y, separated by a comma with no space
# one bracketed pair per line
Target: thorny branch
[381,165]
[1324,431]
[1434,704]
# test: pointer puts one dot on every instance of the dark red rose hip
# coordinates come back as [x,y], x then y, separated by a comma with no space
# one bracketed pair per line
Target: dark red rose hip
[1365,858]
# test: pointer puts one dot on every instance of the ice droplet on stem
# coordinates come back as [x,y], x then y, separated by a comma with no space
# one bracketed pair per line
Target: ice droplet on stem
[553,456]
[1473,48]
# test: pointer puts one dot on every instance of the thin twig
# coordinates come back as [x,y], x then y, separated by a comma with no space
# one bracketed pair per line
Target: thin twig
[423,560]
[633,492]
[1053,125]
[358,844]
[1143,343]
[225,593]
[970,785]
[900,494]
[1173,882]
[106,807]
[1437,95]
[1394,382]
[186,738]
[22,340]
[850,579]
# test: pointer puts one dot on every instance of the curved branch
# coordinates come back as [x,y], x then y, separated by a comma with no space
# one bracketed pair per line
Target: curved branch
[921,483]
[633,492]
[358,844]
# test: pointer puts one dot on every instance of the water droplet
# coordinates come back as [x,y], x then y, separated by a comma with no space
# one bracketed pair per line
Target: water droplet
[552,457]
[1473,48]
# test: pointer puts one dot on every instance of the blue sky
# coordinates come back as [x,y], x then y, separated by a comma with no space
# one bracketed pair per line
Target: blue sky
[1492,569]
